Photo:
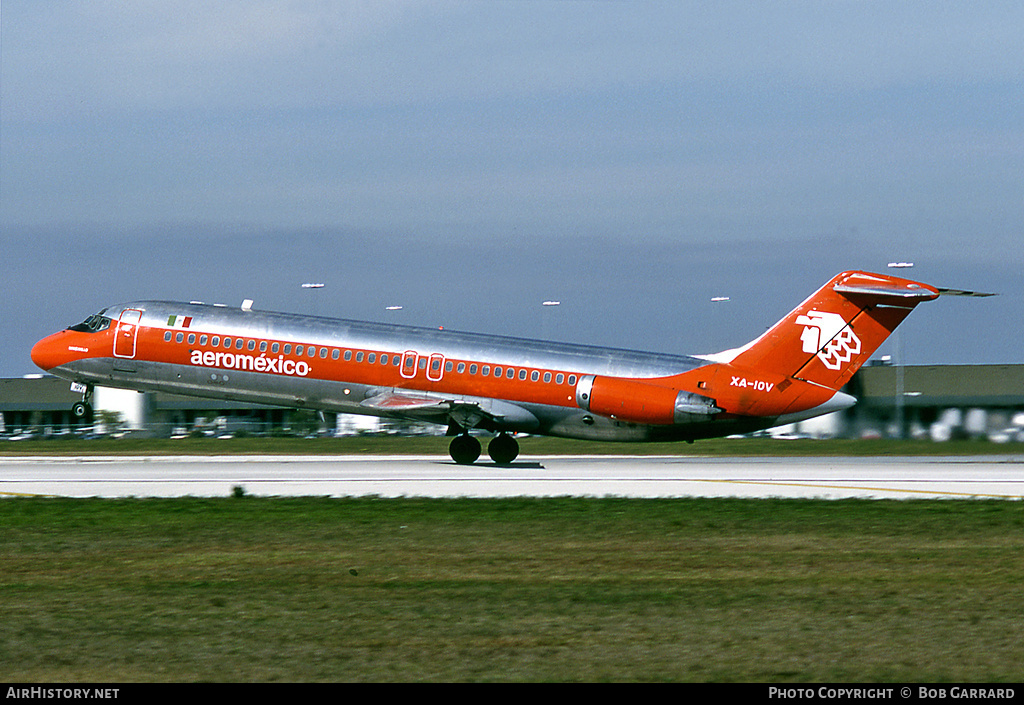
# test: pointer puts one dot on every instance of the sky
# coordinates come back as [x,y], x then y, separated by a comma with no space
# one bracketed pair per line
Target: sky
[469,160]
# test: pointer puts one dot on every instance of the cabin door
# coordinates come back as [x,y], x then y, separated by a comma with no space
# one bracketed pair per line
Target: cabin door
[127,330]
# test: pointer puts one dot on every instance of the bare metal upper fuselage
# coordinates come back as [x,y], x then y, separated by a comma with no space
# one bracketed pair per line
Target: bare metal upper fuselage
[394,338]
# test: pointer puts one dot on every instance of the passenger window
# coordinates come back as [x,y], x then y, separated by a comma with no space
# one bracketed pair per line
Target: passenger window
[287,348]
[359,356]
[497,372]
[511,373]
[462,367]
[572,379]
[263,346]
[383,359]
[251,345]
[371,358]
[472,369]
[534,376]
[348,355]
[215,341]
[298,349]
[547,377]
[239,343]
[323,353]
[274,347]
[203,339]
[167,337]
[191,338]
[179,337]
[559,378]
[227,342]
[335,354]
[485,370]
[311,351]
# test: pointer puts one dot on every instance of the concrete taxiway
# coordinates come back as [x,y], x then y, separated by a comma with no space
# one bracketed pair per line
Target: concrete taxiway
[435,476]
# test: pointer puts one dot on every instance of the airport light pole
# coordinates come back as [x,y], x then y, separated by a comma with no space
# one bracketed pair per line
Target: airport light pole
[314,286]
[899,363]
[545,325]
[713,330]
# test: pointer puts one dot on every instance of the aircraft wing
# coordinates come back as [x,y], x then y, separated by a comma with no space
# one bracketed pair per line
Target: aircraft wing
[405,401]
[467,413]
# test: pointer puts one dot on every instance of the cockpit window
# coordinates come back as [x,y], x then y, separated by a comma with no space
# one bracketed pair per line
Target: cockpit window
[92,324]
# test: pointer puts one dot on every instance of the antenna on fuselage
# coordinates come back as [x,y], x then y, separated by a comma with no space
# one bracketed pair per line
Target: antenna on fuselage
[247,305]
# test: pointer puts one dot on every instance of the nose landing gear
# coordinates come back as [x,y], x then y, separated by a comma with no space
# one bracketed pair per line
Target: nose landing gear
[82,410]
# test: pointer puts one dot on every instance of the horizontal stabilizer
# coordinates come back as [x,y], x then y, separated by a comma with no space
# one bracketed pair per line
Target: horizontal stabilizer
[961,292]
[910,292]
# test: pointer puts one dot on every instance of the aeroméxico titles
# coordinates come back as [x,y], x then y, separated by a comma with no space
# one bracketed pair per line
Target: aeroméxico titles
[502,385]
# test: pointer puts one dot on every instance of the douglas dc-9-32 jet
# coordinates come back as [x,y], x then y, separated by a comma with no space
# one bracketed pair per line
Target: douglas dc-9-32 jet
[498,384]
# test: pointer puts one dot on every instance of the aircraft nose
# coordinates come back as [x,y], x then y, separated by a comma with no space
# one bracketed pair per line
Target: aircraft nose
[49,352]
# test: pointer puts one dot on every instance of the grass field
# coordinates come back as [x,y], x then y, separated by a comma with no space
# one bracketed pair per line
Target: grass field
[370,589]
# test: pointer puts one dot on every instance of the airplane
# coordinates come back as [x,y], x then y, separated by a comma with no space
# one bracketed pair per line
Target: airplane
[498,384]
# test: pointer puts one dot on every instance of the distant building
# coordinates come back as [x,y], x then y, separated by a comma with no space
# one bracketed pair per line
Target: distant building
[41,405]
[34,402]
[939,401]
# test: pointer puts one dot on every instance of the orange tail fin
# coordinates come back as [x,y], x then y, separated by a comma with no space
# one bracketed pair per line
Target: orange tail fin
[829,336]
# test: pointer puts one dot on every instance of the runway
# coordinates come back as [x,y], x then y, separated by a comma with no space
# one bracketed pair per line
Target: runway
[541,476]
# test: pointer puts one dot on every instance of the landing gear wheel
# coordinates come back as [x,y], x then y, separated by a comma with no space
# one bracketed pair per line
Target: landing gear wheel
[82,410]
[464,449]
[503,449]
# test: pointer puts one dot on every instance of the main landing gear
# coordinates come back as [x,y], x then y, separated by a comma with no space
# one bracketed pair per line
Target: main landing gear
[465,449]
[503,449]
